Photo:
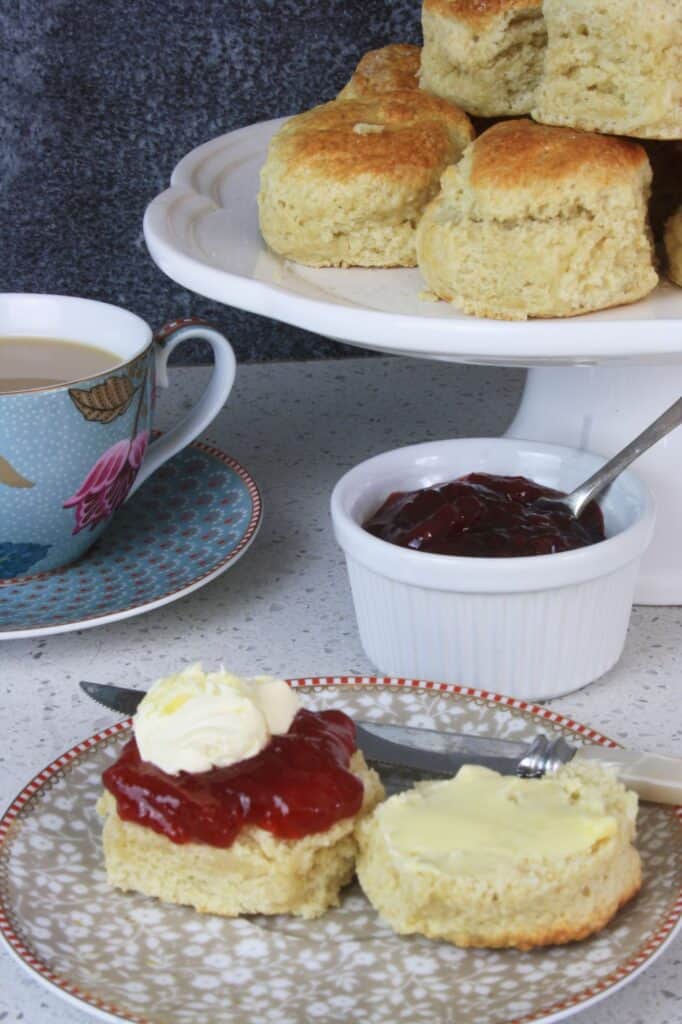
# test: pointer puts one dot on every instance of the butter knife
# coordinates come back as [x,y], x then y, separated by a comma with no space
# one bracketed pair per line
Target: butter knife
[431,753]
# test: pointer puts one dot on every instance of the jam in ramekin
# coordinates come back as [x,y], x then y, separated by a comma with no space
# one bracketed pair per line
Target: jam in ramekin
[484,516]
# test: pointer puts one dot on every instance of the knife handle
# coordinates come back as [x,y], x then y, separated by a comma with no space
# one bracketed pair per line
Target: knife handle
[653,776]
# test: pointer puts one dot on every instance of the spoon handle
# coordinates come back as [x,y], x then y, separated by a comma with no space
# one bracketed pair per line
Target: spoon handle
[666,422]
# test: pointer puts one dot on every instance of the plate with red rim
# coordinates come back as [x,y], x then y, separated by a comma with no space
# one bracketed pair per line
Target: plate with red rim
[129,958]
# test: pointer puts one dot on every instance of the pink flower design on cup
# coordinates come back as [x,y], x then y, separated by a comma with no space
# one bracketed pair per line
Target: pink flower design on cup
[106,486]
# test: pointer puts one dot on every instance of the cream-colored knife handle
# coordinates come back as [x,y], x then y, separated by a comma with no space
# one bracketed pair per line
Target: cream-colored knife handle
[653,776]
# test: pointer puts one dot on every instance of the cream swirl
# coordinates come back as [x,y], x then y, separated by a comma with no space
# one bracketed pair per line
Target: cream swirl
[194,721]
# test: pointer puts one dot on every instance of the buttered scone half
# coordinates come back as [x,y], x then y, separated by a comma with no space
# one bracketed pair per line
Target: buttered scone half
[233,799]
[673,247]
[613,66]
[384,70]
[491,860]
[540,222]
[485,55]
[345,183]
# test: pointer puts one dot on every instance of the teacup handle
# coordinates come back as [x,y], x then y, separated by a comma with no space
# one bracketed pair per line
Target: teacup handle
[209,405]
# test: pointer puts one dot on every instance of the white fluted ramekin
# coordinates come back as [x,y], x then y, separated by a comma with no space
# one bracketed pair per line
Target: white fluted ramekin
[532,627]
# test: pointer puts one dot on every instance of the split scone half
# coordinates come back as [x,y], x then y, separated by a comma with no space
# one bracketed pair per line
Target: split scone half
[345,183]
[258,874]
[493,861]
[384,70]
[540,222]
[485,55]
[613,66]
[673,247]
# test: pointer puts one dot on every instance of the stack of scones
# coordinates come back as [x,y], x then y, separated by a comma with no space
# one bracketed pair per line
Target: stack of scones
[554,213]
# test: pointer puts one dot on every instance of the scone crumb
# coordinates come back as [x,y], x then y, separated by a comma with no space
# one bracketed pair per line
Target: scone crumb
[368,129]
[426,295]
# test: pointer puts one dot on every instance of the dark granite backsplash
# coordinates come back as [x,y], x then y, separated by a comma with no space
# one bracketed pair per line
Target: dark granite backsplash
[100,98]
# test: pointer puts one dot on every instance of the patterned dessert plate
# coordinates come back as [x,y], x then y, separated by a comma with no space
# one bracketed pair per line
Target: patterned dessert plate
[186,525]
[130,958]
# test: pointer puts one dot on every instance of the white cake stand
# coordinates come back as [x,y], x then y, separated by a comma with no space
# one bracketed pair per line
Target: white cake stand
[593,381]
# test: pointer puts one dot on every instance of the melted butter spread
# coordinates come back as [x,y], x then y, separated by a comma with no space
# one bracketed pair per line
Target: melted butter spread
[482,822]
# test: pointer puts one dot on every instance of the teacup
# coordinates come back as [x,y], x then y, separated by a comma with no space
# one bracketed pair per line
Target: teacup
[72,453]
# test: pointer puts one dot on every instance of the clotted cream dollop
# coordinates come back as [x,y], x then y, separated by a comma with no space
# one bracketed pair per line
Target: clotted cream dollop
[193,720]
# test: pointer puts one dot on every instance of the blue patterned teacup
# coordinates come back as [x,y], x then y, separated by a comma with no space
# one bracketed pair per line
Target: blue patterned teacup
[71,454]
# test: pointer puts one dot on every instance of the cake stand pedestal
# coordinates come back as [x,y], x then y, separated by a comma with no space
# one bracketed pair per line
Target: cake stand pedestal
[594,381]
[600,409]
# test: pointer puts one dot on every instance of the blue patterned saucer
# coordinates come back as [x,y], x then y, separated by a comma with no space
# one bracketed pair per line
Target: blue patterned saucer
[186,525]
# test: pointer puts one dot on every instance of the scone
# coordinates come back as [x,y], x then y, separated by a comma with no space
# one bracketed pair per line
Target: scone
[613,67]
[485,55]
[258,874]
[539,222]
[233,799]
[673,247]
[392,67]
[345,184]
[491,860]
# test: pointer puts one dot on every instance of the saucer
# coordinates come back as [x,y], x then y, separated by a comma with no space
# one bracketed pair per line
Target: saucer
[186,525]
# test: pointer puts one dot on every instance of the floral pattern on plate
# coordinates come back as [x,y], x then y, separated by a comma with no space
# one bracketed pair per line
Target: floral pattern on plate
[132,958]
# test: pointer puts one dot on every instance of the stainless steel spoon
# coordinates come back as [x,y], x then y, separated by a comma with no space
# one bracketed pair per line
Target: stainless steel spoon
[576,501]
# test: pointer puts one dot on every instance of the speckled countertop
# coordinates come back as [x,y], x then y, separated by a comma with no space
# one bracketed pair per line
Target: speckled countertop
[285,607]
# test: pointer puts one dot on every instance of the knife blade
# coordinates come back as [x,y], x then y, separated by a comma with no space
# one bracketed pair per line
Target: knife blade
[377,744]
[430,753]
[116,698]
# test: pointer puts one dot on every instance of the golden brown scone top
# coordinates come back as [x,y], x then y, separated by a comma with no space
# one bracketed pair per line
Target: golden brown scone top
[380,135]
[521,153]
[385,70]
[477,13]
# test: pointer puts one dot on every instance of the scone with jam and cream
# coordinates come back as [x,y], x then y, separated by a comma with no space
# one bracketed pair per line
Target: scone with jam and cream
[489,860]
[234,799]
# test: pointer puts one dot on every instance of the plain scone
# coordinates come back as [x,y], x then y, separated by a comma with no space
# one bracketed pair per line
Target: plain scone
[391,67]
[613,66]
[673,247]
[532,902]
[258,874]
[485,55]
[539,222]
[345,183]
